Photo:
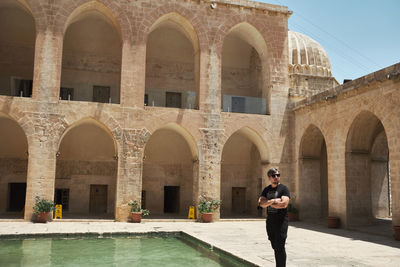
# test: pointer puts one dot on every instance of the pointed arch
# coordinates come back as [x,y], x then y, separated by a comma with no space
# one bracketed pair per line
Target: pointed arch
[181,24]
[97,123]
[252,36]
[93,6]
[245,70]
[311,142]
[313,174]
[185,134]
[172,43]
[367,170]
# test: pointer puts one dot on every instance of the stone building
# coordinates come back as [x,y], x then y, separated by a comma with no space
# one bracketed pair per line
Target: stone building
[166,102]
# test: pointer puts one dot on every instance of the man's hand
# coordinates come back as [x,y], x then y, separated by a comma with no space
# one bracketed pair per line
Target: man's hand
[263,202]
[280,203]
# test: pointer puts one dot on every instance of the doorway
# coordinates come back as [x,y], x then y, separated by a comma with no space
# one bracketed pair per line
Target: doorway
[16,196]
[173,100]
[238,200]
[98,198]
[171,199]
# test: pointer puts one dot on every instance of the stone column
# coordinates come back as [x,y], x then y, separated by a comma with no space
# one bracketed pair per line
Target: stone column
[337,179]
[209,183]
[395,185]
[210,152]
[43,138]
[47,67]
[133,75]
[130,168]
[210,81]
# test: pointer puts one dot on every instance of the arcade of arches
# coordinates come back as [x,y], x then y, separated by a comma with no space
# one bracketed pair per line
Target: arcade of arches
[104,103]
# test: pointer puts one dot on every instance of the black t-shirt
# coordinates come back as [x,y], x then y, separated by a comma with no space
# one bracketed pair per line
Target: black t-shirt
[270,192]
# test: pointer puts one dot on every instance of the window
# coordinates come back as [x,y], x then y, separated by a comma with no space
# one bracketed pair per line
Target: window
[66,93]
[101,94]
[173,100]
[22,87]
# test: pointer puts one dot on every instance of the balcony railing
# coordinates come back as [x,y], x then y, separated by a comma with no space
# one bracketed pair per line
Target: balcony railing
[244,104]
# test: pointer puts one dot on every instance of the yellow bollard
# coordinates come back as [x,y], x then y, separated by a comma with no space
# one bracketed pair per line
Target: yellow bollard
[191,212]
[58,212]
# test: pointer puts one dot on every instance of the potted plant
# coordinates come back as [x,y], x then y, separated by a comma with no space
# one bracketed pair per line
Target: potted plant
[137,212]
[333,222]
[207,207]
[293,213]
[42,209]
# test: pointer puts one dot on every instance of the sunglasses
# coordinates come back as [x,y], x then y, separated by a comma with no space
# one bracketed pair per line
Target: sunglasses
[276,175]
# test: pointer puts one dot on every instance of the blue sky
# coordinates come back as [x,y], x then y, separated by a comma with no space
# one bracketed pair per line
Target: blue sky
[360,36]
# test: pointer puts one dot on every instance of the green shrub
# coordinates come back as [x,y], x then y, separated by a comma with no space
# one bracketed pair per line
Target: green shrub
[42,205]
[135,207]
[208,206]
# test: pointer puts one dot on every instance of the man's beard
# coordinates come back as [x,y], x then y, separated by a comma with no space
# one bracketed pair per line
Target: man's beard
[275,182]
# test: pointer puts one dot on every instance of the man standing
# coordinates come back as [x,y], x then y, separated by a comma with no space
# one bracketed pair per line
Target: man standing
[275,198]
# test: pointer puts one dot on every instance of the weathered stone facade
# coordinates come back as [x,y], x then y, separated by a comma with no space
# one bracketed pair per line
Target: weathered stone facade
[132,97]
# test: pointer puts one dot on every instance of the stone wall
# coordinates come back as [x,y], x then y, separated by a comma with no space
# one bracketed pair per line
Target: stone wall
[46,119]
[357,120]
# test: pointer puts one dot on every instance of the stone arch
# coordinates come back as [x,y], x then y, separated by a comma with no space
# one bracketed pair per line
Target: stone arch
[367,164]
[17,48]
[290,69]
[170,170]
[13,167]
[93,6]
[114,13]
[245,70]
[86,170]
[186,18]
[298,69]
[173,52]
[307,69]
[92,55]
[243,155]
[313,174]
[183,25]
[94,121]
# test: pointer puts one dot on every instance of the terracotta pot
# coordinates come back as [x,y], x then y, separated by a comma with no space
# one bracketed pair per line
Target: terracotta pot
[396,230]
[333,222]
[43,217]
[293,216]
[136,217]
[206,217]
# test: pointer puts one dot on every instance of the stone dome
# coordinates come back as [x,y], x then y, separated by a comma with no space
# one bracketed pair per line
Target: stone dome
[307,57]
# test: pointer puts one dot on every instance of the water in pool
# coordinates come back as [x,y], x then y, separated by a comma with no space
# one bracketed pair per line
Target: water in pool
[116,251]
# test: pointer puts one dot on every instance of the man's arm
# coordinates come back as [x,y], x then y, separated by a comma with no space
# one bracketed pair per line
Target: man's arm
[263,202]
[280,203]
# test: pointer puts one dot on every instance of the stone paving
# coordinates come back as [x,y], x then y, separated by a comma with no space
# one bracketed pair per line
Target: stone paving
[307,245]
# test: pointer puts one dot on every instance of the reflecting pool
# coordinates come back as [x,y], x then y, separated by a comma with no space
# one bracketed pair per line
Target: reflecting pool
[112,251]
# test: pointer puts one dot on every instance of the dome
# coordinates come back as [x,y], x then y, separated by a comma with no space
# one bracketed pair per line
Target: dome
[306,56]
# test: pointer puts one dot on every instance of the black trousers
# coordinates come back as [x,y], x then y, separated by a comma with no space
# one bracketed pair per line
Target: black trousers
[277,227]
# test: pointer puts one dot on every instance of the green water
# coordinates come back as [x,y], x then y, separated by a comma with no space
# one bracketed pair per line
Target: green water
[120,251]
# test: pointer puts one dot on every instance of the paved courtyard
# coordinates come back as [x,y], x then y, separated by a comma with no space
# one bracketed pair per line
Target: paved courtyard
[307,245]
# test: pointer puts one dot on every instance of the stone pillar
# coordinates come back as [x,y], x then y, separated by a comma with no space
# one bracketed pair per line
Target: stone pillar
[43,138]
[210,152]
[133,75]
[47,68]
[209,184]
[210,81]
[337,179]
[395,186]
[130,168]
